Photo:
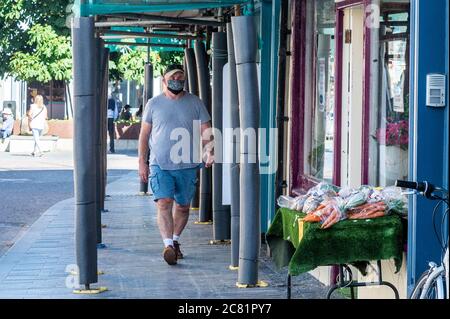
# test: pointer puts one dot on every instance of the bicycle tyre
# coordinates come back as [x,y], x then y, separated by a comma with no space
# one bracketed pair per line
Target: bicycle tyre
[418,288]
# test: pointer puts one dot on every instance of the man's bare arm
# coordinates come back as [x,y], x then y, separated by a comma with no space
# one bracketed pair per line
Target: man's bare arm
[144,136]
[207,143]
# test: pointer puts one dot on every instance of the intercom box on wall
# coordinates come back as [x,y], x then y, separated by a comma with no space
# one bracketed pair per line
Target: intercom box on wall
[435,90]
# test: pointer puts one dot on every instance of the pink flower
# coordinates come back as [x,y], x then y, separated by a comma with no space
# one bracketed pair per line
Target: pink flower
[395,133]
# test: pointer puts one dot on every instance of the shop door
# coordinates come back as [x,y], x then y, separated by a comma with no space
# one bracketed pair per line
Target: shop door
[352,69]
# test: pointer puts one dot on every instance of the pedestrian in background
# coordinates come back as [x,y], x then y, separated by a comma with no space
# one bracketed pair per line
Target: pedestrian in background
[126,114]
[138,114]
[113,113]
[37,118]
[8,124]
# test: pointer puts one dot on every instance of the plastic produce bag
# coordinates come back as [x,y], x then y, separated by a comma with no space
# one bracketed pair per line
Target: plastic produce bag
[328,213]
[324,189]
[395,201]
[294,203]
[311,203]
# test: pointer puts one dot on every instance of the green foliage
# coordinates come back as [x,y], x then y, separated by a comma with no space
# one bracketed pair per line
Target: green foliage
[114,72]
[128,122]
[161,60]
[130,64]
[50,59]
[18,16]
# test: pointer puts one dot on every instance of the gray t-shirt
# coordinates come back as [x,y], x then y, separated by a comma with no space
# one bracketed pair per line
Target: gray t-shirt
[173,138]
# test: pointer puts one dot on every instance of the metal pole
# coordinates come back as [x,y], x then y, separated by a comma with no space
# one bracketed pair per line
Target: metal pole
[186,72]
[245,46]
[107,32]
[204,94]
[136,44]
[148,94]
[84,148]
[155,19]
[191,68]
[234,110]
[221,213]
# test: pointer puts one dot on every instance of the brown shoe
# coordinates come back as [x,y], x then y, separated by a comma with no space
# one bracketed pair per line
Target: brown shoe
[170,255]
[178,250]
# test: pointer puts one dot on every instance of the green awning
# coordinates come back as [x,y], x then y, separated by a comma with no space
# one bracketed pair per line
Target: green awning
[98,7]
[155,41]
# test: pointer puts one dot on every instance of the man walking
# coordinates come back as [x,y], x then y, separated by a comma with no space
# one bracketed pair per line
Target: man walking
[172,181]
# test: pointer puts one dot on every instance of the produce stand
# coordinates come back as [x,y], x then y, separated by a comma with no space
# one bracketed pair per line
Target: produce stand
[304,246]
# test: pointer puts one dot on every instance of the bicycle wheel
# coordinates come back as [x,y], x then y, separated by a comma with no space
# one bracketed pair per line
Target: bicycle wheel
[432,291]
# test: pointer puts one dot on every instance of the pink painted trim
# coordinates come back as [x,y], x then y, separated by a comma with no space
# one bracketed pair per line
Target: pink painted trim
[297,92]
[366,102]
[338,98]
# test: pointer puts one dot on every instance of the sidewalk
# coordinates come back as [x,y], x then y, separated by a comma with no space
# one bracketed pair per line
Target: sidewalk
[35,267]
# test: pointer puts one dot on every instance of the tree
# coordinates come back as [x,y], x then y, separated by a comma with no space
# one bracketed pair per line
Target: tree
[50,58]
[18,16]
[130,63]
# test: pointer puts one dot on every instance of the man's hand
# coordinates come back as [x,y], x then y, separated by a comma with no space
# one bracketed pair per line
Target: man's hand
[209,159]
[143,171]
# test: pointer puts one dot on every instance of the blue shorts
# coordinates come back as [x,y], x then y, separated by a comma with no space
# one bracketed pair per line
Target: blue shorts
[179,185]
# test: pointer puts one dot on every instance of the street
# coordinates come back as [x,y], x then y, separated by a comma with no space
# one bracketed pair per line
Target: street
[29,186]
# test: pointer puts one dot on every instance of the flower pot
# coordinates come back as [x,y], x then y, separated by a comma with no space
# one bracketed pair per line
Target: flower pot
[127,131]
[395,166]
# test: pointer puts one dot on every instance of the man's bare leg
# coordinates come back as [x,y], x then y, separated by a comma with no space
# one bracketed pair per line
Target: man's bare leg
[180,218]
[165,220]
[165,224]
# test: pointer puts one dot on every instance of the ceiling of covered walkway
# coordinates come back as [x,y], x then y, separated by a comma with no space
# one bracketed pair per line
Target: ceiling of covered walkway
[169,23]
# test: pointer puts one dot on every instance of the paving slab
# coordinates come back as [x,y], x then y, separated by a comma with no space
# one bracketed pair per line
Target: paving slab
[39,263]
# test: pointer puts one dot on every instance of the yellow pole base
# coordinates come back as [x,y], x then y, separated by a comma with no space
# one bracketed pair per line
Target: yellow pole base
[195,208]
[203,223]
[220,242]
[92,291]
[232,267]
[260,284]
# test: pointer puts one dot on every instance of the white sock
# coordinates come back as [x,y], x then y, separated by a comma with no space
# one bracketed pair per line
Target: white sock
[168,242]
[176,238]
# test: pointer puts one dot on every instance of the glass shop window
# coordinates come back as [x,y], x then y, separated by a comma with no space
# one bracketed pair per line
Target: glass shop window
[388,148]
[320,155]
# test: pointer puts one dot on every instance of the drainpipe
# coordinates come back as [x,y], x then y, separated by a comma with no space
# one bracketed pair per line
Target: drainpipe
[192,79]
[148,94]
[221,213]
[245,46]
[204,93]
[234,115]
[281,118]
[84,149]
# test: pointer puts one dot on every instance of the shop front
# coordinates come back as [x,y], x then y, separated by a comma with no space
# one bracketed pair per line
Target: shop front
[351,120]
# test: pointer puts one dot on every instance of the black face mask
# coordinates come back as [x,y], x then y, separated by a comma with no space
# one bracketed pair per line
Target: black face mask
[176,92]
[175,86]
